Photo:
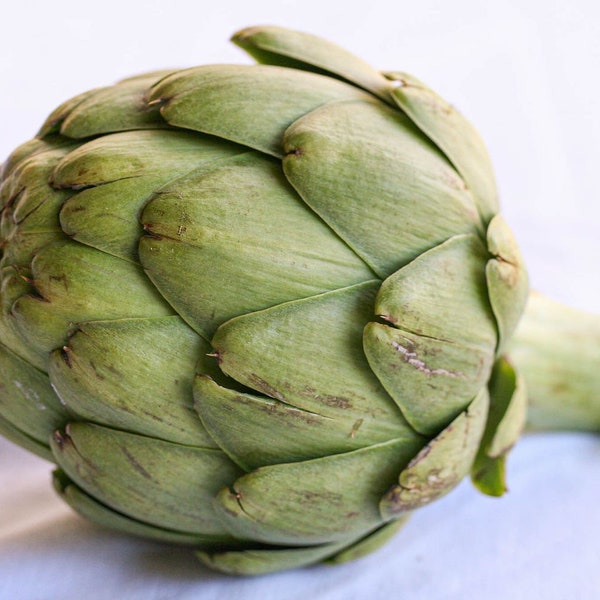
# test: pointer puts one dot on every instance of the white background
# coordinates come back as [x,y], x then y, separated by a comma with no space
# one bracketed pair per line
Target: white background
[527,73]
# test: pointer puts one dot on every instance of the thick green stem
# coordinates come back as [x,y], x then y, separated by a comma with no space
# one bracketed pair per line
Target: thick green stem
[557,350]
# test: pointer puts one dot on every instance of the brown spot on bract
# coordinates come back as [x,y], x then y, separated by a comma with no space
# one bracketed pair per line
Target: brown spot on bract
[65,355]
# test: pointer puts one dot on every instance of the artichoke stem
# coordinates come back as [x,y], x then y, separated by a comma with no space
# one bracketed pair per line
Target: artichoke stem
[557,350]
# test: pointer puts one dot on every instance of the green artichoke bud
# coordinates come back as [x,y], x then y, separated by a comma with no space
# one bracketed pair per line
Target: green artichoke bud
[263,310]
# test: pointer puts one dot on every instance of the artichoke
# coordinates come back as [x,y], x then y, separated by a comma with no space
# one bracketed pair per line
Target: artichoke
[269,310]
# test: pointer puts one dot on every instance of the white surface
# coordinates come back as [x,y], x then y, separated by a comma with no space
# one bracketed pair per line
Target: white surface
[527,74]
[539,541]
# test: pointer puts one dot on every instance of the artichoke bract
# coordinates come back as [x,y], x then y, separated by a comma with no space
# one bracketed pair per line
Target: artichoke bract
[262,310]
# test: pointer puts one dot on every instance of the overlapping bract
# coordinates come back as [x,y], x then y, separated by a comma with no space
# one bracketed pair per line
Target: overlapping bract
[255,309]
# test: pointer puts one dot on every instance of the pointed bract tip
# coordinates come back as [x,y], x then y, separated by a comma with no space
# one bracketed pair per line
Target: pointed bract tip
[243,35]
[60,439]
